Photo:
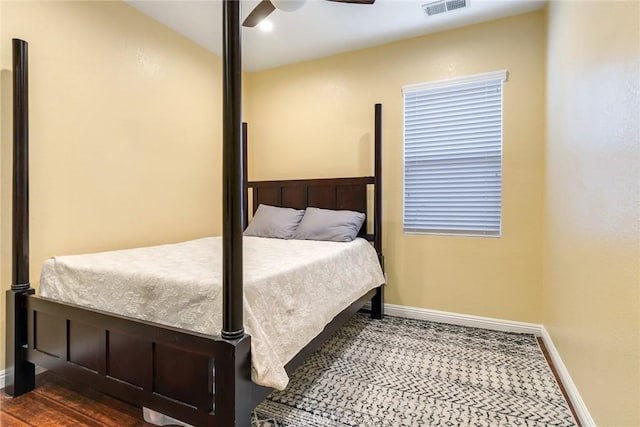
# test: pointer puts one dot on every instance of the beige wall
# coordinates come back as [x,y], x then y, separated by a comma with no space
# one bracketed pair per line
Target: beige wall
[315,119]
[125,131]
[592,245]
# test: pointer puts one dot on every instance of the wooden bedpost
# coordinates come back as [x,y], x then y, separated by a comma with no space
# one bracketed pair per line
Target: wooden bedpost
[377,302]
[245,176]
[233,388]
[20,373]
[377,207]
[232,173]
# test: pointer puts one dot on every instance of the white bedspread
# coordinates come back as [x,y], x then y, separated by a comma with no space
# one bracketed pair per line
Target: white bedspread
[292,289]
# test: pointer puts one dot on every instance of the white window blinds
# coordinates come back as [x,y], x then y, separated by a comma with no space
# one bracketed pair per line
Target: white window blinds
[453,156]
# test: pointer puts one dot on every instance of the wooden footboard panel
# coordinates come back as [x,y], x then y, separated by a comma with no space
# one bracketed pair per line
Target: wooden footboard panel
[164,368]
[199,379]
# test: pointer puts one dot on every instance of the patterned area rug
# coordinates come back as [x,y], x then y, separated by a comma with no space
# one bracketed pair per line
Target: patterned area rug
[401,372]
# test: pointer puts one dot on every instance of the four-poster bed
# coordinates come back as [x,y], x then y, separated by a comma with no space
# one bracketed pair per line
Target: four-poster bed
[198,378]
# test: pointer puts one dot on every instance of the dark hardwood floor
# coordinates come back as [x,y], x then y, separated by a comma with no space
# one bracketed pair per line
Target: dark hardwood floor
[57,403]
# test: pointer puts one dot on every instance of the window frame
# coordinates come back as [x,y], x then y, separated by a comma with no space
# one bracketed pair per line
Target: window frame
[490,77]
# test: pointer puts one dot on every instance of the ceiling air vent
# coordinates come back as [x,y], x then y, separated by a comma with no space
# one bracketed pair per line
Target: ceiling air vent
[442,6]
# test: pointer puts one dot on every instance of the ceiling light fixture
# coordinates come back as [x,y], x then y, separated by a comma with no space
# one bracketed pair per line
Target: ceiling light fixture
[288,5]
[266,25]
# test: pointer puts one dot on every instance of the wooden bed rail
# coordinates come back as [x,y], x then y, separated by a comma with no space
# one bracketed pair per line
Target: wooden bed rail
[197,378]
[172,370]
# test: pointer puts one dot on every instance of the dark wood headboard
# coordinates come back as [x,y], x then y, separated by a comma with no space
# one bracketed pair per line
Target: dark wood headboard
[326,193]
[330,193]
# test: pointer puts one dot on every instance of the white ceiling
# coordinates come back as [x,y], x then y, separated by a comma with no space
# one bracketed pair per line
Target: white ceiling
[321,28]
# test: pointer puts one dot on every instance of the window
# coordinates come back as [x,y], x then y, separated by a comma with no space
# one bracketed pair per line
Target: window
[453,156]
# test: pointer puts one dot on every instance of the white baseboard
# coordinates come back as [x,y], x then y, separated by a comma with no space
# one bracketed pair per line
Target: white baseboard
[505,326]
[574,395]
[463,319]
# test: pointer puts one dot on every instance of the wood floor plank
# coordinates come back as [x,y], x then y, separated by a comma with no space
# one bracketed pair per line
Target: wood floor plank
[56,402]
[102,408]
[42,412]
[85,407]
[116,404]
[7,420]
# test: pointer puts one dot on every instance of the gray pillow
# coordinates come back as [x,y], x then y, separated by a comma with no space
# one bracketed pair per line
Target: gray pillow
[325,224]
[271,221]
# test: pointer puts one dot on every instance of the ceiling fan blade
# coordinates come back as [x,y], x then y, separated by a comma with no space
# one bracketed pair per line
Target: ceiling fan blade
[261,11]
[355,1]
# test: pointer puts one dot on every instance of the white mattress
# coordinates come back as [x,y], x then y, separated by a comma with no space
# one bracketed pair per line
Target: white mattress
[292,289]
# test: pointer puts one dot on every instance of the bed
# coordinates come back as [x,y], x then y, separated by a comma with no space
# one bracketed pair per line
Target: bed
[194,376]
[292,289]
